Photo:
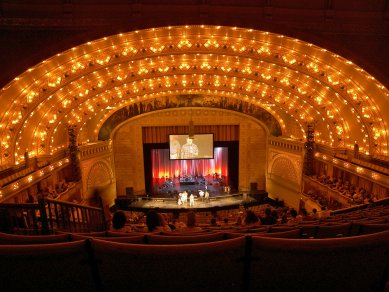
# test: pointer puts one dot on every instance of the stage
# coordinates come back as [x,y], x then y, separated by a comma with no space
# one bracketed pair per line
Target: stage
[216,202]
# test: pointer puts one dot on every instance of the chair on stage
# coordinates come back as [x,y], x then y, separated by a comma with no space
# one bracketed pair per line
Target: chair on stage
[46,267]
[211,266]
[335,264]
[6,238]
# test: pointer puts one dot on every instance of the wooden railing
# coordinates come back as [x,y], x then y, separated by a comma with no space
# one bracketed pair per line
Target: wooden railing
[48,216]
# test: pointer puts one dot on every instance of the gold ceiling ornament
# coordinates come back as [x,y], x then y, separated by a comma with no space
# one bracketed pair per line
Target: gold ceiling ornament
[298,81]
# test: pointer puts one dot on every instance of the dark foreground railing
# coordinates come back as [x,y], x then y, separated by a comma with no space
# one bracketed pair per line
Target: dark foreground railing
[48,216]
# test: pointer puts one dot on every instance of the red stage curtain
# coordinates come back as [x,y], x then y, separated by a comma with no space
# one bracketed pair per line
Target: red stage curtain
[163,167]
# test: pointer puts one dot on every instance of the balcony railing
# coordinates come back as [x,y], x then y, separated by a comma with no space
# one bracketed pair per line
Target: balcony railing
[48,216]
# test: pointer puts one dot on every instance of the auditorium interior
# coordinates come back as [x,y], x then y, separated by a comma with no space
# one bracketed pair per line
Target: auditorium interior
[295,95]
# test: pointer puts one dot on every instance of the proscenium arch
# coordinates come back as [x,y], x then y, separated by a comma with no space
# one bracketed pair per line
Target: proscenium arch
[196,102]
[298,81]
[186,112]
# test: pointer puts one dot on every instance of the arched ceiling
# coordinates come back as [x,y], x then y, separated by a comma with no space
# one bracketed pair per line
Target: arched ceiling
[297,82]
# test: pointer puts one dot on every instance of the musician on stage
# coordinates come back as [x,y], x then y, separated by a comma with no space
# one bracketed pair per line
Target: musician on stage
[201,193]
[206,195]
[191,200]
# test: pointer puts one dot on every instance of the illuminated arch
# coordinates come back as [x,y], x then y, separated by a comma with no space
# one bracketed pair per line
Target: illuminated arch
[297,82]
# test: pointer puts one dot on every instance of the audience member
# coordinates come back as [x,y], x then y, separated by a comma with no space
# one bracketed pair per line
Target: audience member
[251,219]
[213,222]
[191,222]
[295,218]
[268,219]
[284,216]
[155,222]
[119,220]
[314,214]
[305,215]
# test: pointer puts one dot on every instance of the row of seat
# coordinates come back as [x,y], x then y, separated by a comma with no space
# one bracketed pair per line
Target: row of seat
[316,230]
[206,235]
[138,237]
[245,263]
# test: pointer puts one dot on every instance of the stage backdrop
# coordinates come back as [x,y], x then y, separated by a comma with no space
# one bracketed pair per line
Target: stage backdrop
[163,167]
[223,168]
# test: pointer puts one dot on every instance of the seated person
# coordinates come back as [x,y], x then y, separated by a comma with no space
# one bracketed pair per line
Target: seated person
[268,219]
[213,222]
[314,214]
[251,219]
[119,220]
[155,222]
[295,218]
[191,223]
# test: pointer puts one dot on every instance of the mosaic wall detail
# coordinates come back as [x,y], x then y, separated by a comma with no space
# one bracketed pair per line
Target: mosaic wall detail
[190,100]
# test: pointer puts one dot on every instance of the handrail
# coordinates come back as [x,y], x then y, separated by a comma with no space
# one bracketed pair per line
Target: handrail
[49,215]
[71,204]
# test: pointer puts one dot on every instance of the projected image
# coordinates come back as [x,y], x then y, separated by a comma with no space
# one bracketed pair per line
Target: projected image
[199,146]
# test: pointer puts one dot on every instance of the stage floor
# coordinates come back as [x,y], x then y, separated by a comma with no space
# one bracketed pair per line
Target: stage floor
[227,201]
[169,188]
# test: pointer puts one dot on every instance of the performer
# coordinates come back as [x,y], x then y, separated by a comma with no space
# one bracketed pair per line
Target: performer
[189,150]
[206,195]
[191,200]
[179,201]
[184,197]
[201,193]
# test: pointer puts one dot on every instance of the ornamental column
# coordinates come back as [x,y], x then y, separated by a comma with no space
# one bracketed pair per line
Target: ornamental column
[74,154]
[309,151]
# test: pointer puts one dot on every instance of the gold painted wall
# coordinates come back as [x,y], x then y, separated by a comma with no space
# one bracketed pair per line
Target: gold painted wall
[128,149]
[284,170]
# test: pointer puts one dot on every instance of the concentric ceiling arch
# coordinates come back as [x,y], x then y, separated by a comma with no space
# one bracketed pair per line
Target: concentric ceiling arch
[297,82]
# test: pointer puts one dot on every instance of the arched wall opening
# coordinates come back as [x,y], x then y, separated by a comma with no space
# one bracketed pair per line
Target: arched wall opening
[128,144]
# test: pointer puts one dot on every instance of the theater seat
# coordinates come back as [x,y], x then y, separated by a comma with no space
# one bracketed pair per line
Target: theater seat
[6,238]
[336,264]
[212,266]
[125,239]
[184,239]
[367,228]
[45,267]
[332,231]
[294,233]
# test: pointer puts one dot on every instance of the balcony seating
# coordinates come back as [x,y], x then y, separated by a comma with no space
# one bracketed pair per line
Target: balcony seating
[45,267]
[211,266]
[184,239]
[368,228]
[6,238]
[334,264]
[331,231]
